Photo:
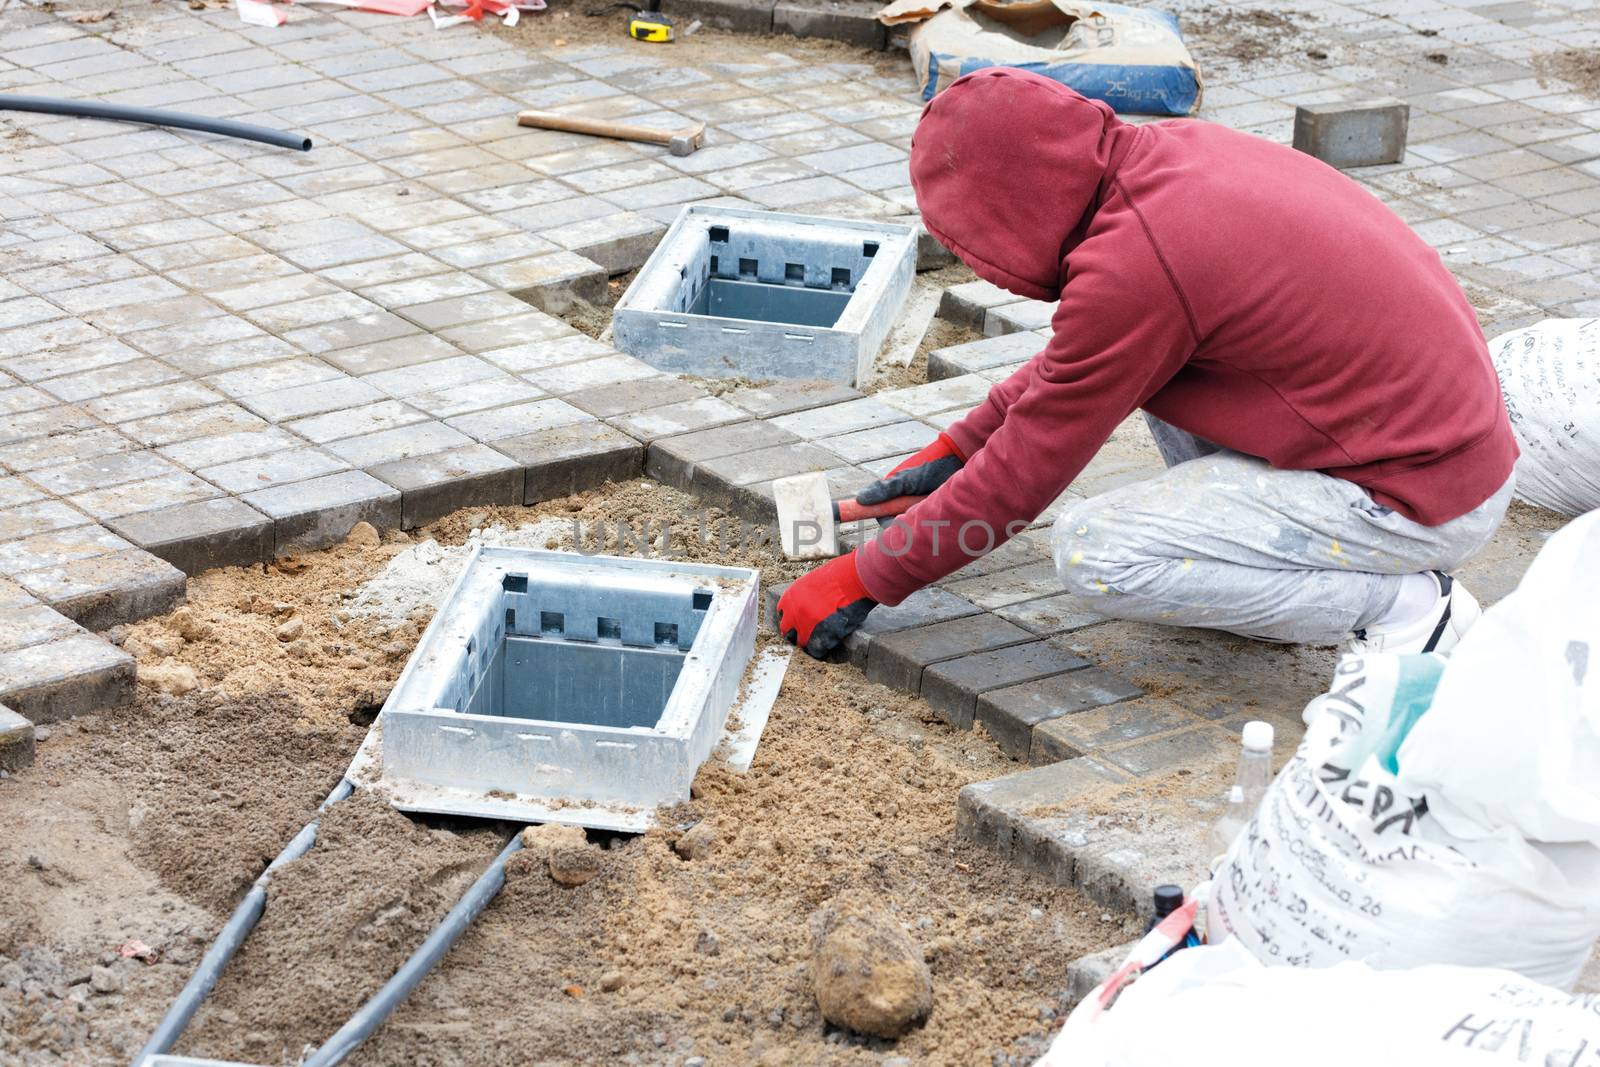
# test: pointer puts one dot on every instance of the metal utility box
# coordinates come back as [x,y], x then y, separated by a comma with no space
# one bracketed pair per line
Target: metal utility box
[559,687]
[760,294]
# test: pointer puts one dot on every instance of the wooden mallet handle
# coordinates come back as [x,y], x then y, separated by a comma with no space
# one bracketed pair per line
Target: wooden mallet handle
[547,120]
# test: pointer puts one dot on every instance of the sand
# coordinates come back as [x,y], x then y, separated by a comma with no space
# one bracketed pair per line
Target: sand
[150,821]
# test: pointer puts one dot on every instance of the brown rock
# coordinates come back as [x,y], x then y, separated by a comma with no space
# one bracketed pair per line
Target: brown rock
[611,981]
[566,851]
[169,677]
[291,630]
[697,842]
[363,535]
[868,976]
[189,626]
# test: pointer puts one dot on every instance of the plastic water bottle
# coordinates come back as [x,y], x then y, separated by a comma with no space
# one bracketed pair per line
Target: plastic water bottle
[1250,783]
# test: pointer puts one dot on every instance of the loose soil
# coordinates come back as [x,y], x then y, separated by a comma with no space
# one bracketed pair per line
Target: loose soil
[1244,35]
[1578,66]
[151,820]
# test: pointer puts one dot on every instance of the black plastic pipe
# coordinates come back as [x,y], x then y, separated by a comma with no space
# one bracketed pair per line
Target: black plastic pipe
[93,109]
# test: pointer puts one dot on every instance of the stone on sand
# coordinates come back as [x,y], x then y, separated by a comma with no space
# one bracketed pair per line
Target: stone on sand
[867,974]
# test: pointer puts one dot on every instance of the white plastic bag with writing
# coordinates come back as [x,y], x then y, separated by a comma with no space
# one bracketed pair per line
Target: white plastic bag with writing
[1219,1004]
[1550,378]
[1341,862]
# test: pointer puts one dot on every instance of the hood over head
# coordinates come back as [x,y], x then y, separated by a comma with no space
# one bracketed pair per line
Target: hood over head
[1008,168]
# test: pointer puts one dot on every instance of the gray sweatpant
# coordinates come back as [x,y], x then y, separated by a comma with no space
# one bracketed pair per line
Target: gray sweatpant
[1224,540]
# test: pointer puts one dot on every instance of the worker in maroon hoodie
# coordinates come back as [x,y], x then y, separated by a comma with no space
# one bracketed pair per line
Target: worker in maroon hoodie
[1312,374]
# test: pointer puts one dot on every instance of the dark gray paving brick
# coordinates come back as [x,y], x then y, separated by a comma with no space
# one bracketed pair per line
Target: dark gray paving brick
[851,21]
[1094,730]
[1010,714]
[434,485]
[898,659]
[569,459]
[16,741]
[1001,814]
[320,512]
[1049,615]
[619,398]
[734,16]
[225,532]
[952,688]
[101,591]
[673,459]
[969,302]
[787,397]
[982,355]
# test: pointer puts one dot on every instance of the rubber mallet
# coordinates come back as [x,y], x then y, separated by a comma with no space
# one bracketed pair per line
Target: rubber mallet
[809,517]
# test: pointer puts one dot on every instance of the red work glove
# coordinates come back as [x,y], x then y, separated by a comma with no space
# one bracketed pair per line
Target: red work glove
[918,475]
[824,607]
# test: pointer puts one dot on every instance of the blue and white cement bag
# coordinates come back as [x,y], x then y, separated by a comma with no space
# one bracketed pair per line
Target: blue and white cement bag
[1131,58]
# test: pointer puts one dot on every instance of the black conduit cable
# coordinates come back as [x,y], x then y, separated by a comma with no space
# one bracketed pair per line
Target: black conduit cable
[93,109]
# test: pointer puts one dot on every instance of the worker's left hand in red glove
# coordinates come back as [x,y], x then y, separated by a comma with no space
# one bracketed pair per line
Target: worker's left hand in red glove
[824,607]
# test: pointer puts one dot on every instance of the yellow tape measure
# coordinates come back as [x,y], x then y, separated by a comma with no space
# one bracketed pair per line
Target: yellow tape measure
[650,26]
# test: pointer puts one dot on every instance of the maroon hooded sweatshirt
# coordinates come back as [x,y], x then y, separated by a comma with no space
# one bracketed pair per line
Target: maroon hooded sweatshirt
[1235,288]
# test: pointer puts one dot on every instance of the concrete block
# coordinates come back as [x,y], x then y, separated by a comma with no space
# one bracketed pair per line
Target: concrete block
[1024,316]
[60,679]
[433,486]
[225,532]
[732,16]
[787,397]
[969,302]
[996,813]
[765,464]
[1011,586]
[898,659]
[1200,748]
[1050,615]
[314,514]
[922,608]
[564,460]
[1097,729]
[1353,133]
[952,688]
[621,398]
[16,741]
[618,242]
[673,460]
[669,420]
[550,283]
[851,21]
[101,591]
[33,624]
[1010,714]
[931,255]
[982,355]
[1086,973]
[836,419]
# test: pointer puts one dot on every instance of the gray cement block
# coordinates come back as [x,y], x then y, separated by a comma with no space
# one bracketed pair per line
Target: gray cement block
[620,398]
[16,741]
[733,16]
[101,591]
[997,814]
[851,21]
[931,255]
[433,486]
[969,302]
[1023,316]
[670,420]
[952,688]
[564,460]
[320,512]
[786,397]
[1086,973]
[1010,714]
[673,460]
[1100,728]
[1046,616]
[60,679]
[982,355]
[225,532]
[1201,748]
[922,608]
[898,659]
[1353,134]
[557,279]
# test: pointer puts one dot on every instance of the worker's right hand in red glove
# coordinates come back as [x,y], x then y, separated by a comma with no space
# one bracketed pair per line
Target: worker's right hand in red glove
[918,475]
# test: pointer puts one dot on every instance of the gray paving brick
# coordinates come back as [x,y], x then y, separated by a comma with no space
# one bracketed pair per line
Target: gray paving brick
[851,21]
[787,397]
[669,420]
[102,471]
[895,439]
[764,464]
[224,532]
[569,459]
[617,242]
[272,468]
[1049,615]
[101,591]
[50,682]
[1011,586]
[1353,134]
[952,688]
[16,741]
[837,419]
[527,327]
[517,420]
[320,512]
[550,282]
[898,659]
[619,398]
[968,302]
[33,624]
[1202,749]
[387,446]
[584,374]
[1010,714]
[982,355]
[432,486]
[1095,730]
[672,460]
[57,546]
[1024,316]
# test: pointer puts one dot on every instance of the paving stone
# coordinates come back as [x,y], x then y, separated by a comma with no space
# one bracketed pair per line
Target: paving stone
[787,397]
[517,420]
[618,242]
[898,659]
[33,624]
[1353,134]
[851,21]
[962,392]
[765,464]
[1010,714]
[1201,748]
[58,546]
[101,591]
[1050,615]
[968,302]
[550,283]
[619,398]
[50,682]
[607,370]
[837,419]
[1024,316]
[388,446]
[952,688]
[16,740]
[669,420]
[672,460]
[982,355]
[38,517]
[530,326]
[895,439]
[1002,813]
[225,532]
[314,514]
[272,468]
[432,486]
[570,459]
[1096,730]
[996,590]
[734,16]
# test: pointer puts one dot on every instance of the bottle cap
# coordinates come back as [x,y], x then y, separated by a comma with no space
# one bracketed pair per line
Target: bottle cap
[1236,794]
[1169,898]
[1258,736]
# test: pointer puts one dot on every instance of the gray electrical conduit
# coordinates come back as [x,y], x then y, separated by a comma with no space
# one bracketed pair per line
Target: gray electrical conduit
[232,935]
[93,109]
[414,970]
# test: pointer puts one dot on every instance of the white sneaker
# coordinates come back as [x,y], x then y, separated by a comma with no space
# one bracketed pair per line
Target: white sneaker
[1440,630]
